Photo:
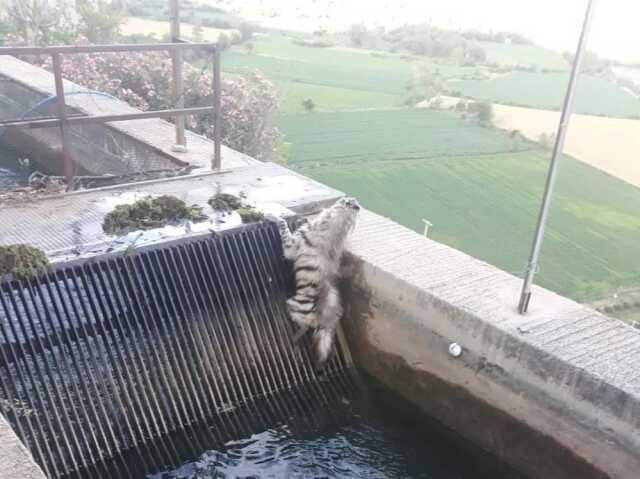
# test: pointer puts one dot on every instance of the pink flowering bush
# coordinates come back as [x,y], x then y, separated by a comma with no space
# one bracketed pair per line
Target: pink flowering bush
[143,80]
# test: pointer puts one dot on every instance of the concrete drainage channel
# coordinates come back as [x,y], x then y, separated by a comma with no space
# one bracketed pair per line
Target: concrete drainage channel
[113,353]
[117,351]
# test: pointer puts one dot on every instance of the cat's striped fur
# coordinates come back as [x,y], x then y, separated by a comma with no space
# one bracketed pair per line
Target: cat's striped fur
[316,249]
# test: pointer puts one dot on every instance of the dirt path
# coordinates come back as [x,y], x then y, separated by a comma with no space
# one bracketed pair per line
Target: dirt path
[609,144]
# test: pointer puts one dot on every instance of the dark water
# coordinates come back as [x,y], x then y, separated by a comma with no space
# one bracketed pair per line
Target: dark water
[10,176]
[363,434]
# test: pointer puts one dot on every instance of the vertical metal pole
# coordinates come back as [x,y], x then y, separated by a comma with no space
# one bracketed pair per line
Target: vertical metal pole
[178,86]
[61,107]
[217,116]
[532,266]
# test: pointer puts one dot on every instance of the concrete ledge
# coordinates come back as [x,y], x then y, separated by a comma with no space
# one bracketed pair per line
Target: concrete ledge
[15,461]
[556,393]
[73,221]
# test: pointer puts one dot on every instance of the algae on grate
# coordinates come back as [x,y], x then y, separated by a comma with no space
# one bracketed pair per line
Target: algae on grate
[22,261]
[226,202]
[149,213]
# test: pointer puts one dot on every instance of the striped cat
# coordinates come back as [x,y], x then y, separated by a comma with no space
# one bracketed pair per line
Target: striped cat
[316,249]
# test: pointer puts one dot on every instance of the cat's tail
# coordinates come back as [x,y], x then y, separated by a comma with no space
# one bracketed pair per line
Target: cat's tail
[322,345]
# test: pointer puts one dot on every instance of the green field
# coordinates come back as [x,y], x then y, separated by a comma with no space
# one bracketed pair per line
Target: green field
[479,186]
[484,203]
[372,136]
[335,78]
[503,54]
[340,74]
[594,95]
[327,98]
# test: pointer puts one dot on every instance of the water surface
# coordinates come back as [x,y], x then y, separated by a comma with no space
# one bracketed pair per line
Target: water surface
[363,434]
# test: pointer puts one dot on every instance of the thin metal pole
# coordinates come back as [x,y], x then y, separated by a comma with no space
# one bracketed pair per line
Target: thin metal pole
[532,266]
[61,107]
[217,117]
[178,87]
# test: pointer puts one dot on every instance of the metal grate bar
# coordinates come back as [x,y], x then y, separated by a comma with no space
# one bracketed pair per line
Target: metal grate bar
[117,354]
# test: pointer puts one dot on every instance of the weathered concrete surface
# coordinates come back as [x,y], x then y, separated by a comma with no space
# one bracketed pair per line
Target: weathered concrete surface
[555,393]
[74,220]
[15,461]
[143,144]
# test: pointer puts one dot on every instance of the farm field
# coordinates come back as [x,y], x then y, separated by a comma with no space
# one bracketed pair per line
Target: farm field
[483,204]
[341,78]
[329,98]
[513,54]
[481,187]
[361,137]
[615,148]
[594,96]
[339,74]
[158,28]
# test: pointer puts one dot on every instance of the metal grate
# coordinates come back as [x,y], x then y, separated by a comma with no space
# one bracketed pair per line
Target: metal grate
[110,354]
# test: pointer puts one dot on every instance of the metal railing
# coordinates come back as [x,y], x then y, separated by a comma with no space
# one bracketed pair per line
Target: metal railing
[63,120]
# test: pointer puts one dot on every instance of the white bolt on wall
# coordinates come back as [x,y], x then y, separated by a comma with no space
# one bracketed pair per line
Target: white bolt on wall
[455,350]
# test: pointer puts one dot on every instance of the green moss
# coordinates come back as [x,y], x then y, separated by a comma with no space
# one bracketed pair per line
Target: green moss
[225,202]
[149,213]
[250,215]
[22,261]
[15,406]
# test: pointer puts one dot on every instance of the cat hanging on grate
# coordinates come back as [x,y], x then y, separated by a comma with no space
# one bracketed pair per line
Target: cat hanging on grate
[316,250]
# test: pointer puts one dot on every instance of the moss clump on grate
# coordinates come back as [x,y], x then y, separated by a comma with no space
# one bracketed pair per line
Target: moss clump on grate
[16,406]
[149,213]
[225,202]
[22,261]
[250,215]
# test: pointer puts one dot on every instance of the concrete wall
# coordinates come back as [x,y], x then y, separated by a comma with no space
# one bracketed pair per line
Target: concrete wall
[116,148]
[555,393]
[15,461]
[96,149]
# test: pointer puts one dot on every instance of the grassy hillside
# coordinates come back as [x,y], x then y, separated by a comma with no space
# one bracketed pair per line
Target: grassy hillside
[330,98]
[503,54]
[480,187]
[484,204]
[594,96]
[336,78]
[337,74]
[374,136]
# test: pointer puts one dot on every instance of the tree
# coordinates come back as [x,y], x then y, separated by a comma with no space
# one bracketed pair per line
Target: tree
[461,106]
[246,31]
[424,85]
[223,42]
[357,34]
[197,34]
[547,140]
[38,22]
[591,62]
[100,20]
[475,54]
[485,113]
[308,104]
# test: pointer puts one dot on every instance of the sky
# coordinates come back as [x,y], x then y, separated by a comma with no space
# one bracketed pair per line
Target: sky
[550,23]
